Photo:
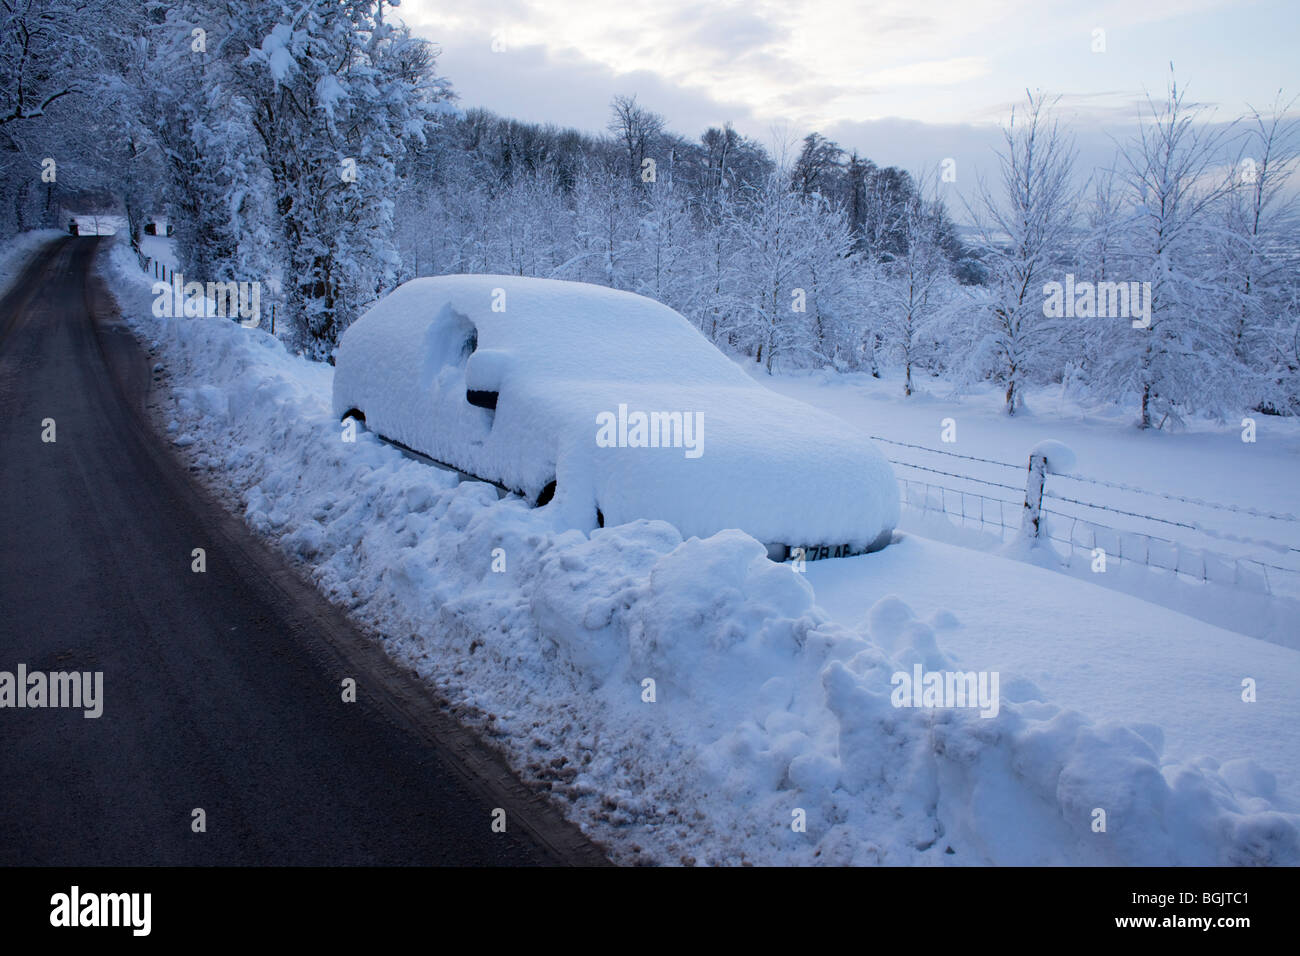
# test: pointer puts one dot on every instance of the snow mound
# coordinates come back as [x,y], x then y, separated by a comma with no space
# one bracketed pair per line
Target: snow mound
[618,400]
[1060,457]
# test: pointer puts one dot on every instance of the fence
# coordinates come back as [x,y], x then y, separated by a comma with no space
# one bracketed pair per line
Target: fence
[164,274]
[1016,514]
[922,495]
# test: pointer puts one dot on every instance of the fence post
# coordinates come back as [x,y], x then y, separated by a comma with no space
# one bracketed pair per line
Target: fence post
[1032,521]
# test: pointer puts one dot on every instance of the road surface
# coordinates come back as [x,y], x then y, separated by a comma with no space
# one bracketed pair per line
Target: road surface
[222,690]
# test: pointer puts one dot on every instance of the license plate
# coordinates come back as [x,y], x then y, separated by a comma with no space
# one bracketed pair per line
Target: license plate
[819,552]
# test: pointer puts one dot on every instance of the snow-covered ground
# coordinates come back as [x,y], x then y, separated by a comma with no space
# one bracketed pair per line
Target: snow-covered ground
[18,250]
[772,689]
[1233,506]
[1104,654]
[1207,462]
[161,249]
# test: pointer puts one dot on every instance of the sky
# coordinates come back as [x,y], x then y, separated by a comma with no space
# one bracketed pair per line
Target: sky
[905,82]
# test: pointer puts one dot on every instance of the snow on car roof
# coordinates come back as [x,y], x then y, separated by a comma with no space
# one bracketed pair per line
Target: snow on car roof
[574,365]
[569,330]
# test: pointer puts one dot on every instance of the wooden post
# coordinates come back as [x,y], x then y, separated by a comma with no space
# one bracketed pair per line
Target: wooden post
[1032,521]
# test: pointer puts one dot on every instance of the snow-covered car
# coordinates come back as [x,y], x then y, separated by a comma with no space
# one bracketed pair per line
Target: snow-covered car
[607,407]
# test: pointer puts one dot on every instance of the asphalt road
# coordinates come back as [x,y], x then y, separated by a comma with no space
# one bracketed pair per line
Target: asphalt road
[222,690]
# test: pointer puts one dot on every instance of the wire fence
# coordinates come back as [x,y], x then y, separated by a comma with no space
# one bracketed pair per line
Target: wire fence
[165,273]
[1099,482]
[940,451]
[1003,516]
[1117,544]
[982,512]
[159,269]
[1184,499]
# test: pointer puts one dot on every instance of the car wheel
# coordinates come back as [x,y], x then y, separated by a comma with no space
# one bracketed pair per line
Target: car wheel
[546,495]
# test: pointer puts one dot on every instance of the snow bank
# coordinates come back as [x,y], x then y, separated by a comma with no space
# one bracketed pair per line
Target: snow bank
[17,251]
[573,366]
[762,712]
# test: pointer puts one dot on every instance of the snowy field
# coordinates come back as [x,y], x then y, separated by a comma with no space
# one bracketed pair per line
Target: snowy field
[773,688]
[1232,506]
[1207,462]
[1107,655]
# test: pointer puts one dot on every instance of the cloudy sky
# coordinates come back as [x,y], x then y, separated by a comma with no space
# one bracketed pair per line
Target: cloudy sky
[906,82]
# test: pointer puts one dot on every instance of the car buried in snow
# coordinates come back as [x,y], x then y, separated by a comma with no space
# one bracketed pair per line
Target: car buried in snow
[607,407]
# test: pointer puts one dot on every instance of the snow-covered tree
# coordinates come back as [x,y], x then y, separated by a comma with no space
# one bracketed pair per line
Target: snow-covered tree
[335,93]
[203,135]
[914,287]
[1259,214]
[637,131]
[51,61]
[791,257]
[46,55]
[527,229]
[1175,176]
[1025,224]
[605,228]
[668,248]
[764,226]
[832,284]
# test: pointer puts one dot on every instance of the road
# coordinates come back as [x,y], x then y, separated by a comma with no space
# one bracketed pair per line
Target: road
[222,690]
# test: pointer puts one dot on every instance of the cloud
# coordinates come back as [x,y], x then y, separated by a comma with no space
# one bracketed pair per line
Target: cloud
[812,62]
[932,72]
[904,83]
